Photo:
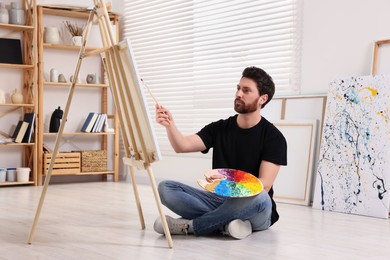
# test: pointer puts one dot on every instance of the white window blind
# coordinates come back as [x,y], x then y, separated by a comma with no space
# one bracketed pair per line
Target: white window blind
[191,53]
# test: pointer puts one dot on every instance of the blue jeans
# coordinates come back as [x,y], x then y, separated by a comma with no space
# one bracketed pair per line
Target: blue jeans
[210,212]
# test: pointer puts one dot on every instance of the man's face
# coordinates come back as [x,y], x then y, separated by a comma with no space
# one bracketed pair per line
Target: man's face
[247,97]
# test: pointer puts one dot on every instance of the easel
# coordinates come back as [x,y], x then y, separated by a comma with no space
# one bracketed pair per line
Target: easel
[136,140]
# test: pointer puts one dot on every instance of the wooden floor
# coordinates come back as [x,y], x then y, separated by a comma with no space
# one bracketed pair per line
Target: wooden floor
[99,220]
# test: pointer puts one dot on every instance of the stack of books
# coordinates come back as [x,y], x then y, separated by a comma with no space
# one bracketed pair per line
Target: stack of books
[24,129]
[95,123]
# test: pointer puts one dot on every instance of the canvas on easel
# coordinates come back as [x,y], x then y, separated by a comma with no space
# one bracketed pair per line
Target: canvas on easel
[138,135]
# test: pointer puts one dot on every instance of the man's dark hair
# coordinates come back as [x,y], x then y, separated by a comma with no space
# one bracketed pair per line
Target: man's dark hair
[265,84]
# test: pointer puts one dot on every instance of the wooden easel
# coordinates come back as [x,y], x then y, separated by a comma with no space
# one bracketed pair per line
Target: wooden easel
[136,139]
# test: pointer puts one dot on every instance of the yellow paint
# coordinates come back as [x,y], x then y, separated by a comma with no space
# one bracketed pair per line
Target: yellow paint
[384,115]
[374,92]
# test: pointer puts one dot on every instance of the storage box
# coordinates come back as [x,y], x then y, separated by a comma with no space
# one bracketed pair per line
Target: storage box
[65,163]
[94,161]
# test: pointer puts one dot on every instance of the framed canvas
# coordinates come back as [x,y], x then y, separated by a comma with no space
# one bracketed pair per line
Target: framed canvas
[294,182]
[380,56]
[353,174]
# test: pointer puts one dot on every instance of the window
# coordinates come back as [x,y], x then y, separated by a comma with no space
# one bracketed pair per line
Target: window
[191,53]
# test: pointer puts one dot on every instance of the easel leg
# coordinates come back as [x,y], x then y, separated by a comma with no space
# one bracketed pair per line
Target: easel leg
[159,206]
[38,213]
[61,130]
[136,194]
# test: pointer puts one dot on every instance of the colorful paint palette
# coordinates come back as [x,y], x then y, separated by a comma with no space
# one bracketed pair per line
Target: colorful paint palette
[231,183]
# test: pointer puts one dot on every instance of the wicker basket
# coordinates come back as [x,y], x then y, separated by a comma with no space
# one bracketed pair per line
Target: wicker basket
[94,161]
[65,163]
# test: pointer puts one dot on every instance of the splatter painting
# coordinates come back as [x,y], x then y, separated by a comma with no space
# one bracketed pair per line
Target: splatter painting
[353,174]
[231,183]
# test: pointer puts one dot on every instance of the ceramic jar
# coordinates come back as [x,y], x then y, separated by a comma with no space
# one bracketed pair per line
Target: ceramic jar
[22,174]
[3,174]
[4,17]
[53,75]
[11,174]
[17,97]
[2,97]
[51,35]
[16,14]
[91,78]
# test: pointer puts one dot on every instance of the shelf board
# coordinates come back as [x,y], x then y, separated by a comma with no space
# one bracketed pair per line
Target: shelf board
[17,105]
[79,133]
[17,144]
[81,173]
[68,84]
[69,11]
[16,27]
[16,66]
[67,47]
[12,183]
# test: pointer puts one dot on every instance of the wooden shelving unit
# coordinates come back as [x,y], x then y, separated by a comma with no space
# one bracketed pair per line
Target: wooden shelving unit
[46,87]
[29,89]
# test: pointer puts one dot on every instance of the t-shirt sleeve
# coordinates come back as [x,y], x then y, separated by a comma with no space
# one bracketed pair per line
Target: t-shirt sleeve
[207,134]
[275,150]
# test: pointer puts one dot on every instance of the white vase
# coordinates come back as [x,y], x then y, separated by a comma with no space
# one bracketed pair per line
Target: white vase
[4,17]
[77,40]
[16,14]
[17,97]
[2,97]
[51,35]
[53,75]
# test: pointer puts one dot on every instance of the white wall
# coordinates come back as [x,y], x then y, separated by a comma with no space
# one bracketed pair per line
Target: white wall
[338,37]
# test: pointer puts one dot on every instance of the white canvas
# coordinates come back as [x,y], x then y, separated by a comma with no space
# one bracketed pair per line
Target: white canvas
[353,174]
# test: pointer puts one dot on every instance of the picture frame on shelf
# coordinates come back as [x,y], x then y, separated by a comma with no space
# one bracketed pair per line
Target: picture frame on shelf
[10,51]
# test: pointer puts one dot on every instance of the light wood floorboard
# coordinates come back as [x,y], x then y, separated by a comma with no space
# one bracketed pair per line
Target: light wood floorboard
[99,220]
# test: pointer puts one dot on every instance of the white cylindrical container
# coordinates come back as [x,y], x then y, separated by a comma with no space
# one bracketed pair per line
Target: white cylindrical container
[53,75]
[4,16]
[16,14]
[11,174]
[3,173]
[22,174]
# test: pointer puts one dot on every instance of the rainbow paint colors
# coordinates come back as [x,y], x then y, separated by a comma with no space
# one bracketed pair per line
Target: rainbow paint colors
[231,183]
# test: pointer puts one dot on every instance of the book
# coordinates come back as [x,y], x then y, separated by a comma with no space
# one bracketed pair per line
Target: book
[103,123]
[89,122]
[30,119]
[20,131]
[96,125]
[100,123]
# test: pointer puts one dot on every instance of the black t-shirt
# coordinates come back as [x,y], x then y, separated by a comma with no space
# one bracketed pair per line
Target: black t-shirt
[244,149]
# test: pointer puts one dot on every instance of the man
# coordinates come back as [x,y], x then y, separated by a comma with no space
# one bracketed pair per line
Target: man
[246,142]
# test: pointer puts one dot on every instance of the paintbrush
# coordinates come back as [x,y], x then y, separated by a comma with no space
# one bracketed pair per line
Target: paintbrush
[150,92]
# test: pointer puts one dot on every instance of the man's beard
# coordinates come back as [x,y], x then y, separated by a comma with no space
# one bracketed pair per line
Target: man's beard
[242,108]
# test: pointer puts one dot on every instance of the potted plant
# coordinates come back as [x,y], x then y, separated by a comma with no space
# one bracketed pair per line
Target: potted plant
[76,31]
